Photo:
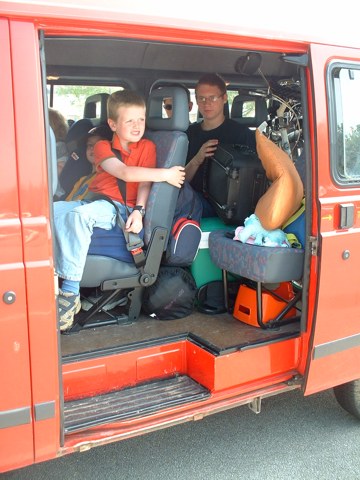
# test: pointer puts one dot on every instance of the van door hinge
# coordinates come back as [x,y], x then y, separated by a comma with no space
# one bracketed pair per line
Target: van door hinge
[314,244]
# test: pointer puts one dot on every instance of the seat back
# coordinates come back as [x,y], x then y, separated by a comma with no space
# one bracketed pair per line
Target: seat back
[96,108]
[242,103]
[171,142]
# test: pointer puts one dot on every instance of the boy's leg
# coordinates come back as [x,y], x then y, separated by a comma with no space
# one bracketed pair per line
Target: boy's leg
[62,207]
[73,232]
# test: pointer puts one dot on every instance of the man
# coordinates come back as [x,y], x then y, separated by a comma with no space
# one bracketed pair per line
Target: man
[167,102]
[204,136]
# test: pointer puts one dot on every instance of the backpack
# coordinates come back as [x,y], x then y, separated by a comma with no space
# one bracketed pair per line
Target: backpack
[295,226]
[185,234]
[172,295]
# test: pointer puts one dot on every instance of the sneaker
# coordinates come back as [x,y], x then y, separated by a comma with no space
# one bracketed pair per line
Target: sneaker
[69,306]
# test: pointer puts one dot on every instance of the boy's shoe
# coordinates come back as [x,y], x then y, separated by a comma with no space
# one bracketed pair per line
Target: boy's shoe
[69,305]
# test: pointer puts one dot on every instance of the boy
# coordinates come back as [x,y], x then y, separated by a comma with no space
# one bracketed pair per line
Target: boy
[73,228]
[81,187]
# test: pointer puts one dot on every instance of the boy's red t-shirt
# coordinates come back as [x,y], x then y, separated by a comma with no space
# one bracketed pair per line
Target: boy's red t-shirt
[142,154]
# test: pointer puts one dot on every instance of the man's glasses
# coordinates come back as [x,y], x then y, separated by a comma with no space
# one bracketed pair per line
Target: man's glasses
[168,107]
[211,99]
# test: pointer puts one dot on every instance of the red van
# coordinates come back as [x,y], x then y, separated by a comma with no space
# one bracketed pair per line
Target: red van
[145,373]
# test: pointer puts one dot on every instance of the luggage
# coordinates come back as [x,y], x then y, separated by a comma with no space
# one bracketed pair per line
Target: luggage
[202,268]
[185,234]
[172,296]
[235,182]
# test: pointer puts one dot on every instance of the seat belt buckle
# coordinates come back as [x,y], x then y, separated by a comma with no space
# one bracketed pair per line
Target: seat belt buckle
[138,256]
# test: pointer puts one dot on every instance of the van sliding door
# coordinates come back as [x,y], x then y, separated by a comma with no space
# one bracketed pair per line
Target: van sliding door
[16,425]
[334,354]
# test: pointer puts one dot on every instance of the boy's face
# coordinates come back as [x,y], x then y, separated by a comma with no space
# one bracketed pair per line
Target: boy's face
[130,124]
[90,143]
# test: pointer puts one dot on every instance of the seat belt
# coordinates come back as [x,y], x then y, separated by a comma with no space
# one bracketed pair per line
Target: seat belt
[133,241]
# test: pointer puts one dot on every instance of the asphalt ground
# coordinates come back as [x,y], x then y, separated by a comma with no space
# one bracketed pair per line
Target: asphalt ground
[294,437]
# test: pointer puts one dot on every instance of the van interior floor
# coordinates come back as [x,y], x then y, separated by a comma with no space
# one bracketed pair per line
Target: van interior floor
[219,334]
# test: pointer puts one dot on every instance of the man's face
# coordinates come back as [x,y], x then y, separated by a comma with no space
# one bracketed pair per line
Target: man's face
[167,103]
[210,100]
[130,124]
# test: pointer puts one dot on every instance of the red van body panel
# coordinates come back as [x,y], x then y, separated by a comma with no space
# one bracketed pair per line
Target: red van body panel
[35,382]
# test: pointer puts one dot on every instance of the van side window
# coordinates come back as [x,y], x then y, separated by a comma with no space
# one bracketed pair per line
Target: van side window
[345,122]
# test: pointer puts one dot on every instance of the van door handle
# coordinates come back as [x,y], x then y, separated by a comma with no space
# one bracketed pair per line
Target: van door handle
[346,215]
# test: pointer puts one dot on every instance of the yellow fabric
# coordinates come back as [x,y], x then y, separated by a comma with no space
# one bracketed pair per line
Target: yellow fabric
[286,191]
[81,188]
[296,215]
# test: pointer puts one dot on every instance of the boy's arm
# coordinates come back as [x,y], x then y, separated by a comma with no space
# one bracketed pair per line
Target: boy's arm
[135,220]
[174,175]
[143,193]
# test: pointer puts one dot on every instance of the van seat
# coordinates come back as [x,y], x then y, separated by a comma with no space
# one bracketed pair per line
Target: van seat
[263,265]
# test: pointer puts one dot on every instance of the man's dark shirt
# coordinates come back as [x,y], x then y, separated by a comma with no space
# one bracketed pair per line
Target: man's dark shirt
[229,132]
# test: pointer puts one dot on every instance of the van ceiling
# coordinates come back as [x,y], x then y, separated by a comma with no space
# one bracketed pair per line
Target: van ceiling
[108,57]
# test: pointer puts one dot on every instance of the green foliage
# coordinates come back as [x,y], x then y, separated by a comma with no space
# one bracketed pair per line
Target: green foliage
[352,152]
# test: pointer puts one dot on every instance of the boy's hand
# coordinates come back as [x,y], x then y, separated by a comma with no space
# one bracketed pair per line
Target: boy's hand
[175,176]
[134,222]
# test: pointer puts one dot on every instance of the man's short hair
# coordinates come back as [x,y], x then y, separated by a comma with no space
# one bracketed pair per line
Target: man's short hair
[213,79]
[122,98]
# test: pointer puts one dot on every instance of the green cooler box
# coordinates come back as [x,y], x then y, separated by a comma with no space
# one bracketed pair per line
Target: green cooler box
[203,269]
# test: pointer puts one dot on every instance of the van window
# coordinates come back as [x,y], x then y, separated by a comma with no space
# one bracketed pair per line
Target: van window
[345,131]
[70,99]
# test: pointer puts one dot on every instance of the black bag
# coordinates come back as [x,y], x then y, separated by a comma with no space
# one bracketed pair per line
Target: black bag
[185,232]
[172,295]
[235,182]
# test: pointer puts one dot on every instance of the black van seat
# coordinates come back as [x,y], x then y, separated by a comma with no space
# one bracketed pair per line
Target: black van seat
[111,275]
[76,165]
[95,108]
[238,110]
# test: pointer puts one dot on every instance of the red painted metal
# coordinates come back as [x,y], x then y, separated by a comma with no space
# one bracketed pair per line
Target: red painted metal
[28,327]
[16,443]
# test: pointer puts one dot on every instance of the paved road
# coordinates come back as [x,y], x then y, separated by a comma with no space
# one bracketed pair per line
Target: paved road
[293,438]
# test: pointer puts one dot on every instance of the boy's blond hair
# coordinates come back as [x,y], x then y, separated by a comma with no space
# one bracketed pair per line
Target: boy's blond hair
[121,98]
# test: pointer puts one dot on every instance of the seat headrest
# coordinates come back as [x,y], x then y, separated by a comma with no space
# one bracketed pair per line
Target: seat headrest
[180,112]
[96,108]
[261,111]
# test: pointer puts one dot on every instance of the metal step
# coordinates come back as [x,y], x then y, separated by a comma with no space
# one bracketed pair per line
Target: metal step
[131,402]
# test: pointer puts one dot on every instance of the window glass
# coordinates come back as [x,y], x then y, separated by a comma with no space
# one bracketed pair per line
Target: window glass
[346,131]
[70,99]
[248,109]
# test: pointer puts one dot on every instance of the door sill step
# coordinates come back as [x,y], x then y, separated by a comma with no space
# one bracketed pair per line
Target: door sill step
[131,402]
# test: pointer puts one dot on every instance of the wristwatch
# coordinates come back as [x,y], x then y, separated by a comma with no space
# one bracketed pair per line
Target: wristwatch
[141,209]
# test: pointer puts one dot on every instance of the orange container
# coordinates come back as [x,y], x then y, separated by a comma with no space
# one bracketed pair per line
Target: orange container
[245,308]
